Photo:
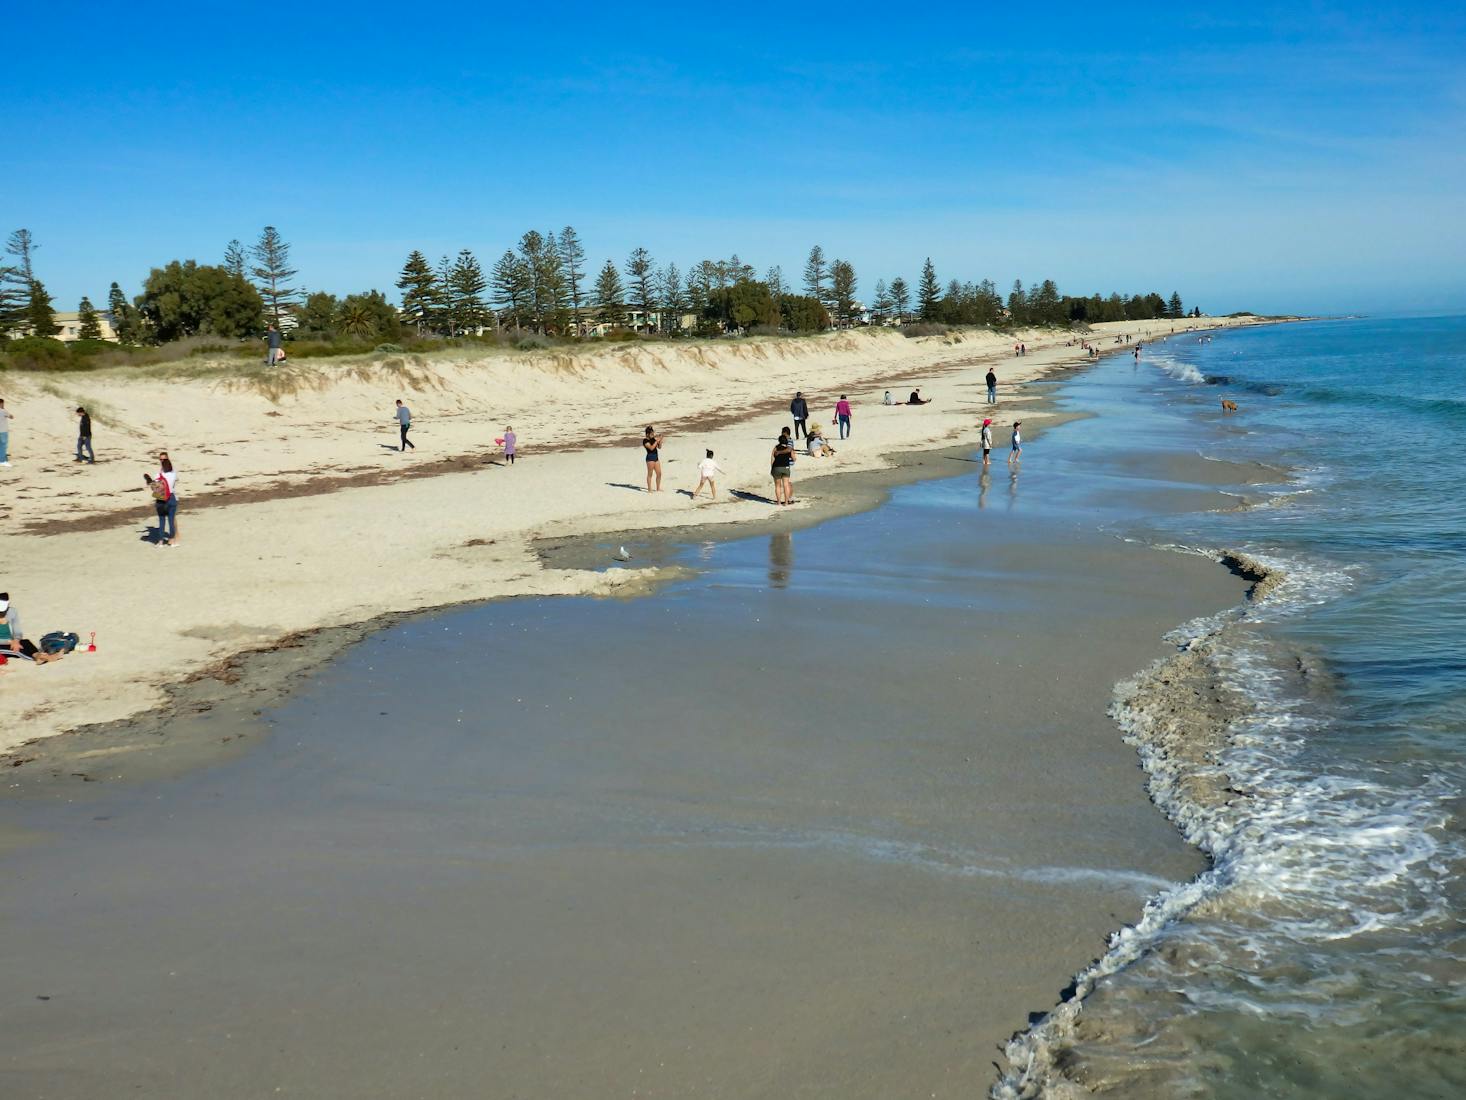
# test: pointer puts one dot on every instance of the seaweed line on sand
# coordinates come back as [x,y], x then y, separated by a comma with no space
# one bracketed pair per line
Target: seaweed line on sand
[1178,713]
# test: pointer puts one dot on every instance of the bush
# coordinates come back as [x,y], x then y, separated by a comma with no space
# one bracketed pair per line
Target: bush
[925,328]
[387,349]
[532,341]
[39,353]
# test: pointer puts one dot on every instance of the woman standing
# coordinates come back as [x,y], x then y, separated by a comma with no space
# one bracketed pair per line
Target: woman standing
[165,499]
[652,444]
[782,469]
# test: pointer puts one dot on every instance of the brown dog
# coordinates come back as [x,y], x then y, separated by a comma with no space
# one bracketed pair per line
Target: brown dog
[1228,406]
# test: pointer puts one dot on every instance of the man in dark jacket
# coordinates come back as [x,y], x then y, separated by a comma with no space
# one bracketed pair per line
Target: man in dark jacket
[84,436]
[799,409]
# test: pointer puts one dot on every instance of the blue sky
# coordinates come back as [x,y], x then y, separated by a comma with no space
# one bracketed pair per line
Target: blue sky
[1303,158]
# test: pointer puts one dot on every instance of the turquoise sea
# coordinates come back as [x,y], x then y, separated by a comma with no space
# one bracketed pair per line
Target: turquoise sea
[1323,954]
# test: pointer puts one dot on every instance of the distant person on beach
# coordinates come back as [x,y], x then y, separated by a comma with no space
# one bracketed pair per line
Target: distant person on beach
[782,469]
[707,470]
[511,441]
[1022,349]
[1017,452]
[652,444]
[888,399]
[273,352]
[164,487]
[84,437]
[987,441]
[842,416]
[404,425]
[13,642]
[1016,352]
[4,434]
[799,410]
[992,381]
[917,399]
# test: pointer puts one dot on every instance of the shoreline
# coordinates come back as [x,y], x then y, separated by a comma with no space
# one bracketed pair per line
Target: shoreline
[529,564]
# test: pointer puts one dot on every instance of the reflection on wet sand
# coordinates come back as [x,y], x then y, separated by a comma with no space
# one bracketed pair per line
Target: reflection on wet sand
[781,559]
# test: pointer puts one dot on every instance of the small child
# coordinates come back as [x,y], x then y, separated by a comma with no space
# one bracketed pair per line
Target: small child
[1017,451]
[707,469]
[510,441]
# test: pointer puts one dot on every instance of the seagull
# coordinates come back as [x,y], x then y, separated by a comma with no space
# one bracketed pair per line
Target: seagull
[621,554]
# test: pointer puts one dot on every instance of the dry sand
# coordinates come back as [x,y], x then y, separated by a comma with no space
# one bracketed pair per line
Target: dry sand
[298,513]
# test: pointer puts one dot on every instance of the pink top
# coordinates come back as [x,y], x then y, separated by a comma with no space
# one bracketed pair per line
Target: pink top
[842,407]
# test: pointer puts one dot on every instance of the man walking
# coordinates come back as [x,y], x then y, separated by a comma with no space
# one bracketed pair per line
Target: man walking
[4,434]
[404,422]
[799,410]
[272,342]
[992,381]
[84,437]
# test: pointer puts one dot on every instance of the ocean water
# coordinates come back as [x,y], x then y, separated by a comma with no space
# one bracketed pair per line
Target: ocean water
[1323,954]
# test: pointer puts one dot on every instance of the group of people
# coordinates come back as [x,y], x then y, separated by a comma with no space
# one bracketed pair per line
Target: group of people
[84,452]
[403,416]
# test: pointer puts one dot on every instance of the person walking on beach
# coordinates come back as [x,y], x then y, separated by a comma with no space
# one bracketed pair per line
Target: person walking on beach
[1016,453]
[404,425]
[4,434]
[799,410]
[782,469]
[707,470]
[987,441]
[842,416]
[164,487]
[511,441]
[273,353]
[992,381]
[651,443]
[84,437]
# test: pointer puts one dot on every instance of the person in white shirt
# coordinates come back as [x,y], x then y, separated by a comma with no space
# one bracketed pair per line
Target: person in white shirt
[707,470]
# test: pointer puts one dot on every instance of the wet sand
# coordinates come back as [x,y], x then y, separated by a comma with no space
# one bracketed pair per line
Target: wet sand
[830,818]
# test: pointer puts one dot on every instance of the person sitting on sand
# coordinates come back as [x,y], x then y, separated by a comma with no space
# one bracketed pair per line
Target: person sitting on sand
[13,642]
[816,442]
[917,399]
[888,399]
[707,470]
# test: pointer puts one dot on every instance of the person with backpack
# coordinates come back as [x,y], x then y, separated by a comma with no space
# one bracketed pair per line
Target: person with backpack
[164,488]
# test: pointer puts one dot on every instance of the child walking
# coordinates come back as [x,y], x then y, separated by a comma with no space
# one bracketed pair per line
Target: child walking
[1017,452]
[707,470]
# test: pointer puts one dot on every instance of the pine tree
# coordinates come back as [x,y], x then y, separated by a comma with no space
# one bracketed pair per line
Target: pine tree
[882,304]
[572,256]
[1018,303]
[466,293]
[1176,309]
[88,326]
[531,257]
[511,285]
[928,292]
[610,297]
[900,298]
[40,318]
[440,310]
[419,291]
[674,300]
[700,287]
[234,259]
[639,269]
[16,280]
[842,290]
[21,245]
[272,273]
[122,316]
[552,279]
[814,274]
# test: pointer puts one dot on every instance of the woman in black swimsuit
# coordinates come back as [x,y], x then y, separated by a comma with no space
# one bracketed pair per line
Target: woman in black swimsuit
[652,445]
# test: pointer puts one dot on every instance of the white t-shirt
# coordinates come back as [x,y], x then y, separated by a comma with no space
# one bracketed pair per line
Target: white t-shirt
[171,477]
[709,468]
[4,421]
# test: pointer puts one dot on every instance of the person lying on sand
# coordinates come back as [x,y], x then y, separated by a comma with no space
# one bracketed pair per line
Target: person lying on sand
[13,642]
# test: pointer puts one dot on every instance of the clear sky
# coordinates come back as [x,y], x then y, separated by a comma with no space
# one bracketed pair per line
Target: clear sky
[1305,158]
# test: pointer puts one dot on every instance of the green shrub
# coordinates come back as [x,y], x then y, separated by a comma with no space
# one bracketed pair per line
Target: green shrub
[39,353]
[925,328]
[387,349]
[531,341]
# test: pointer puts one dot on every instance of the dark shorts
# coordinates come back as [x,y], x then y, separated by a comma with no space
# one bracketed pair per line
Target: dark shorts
[780,472]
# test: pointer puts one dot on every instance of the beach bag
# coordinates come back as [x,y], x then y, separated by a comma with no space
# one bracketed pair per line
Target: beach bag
[59,641]
[160,490]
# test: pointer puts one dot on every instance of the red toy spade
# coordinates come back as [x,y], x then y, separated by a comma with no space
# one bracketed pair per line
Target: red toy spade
[92,646]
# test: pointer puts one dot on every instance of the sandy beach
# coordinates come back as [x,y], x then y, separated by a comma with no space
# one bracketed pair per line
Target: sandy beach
[298,513]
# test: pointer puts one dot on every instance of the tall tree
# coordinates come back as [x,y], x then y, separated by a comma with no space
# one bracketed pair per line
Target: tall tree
[900,298]
[235,261]
[572,256]
[552,278]
[466,286]
[700,286]
[882,304]
[272,272]
[40,318]
[610,295]
[640,281]
[531,256]
[368,315]
[124,321]
[842,290]
[1044,307]
[1176,309]
[184,299]
[22,245]
[1018,303]
[88,326]
[928,292]
[673,298]
[511,286]
[814,274]
[15,281]
[419,290]
[440,314]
